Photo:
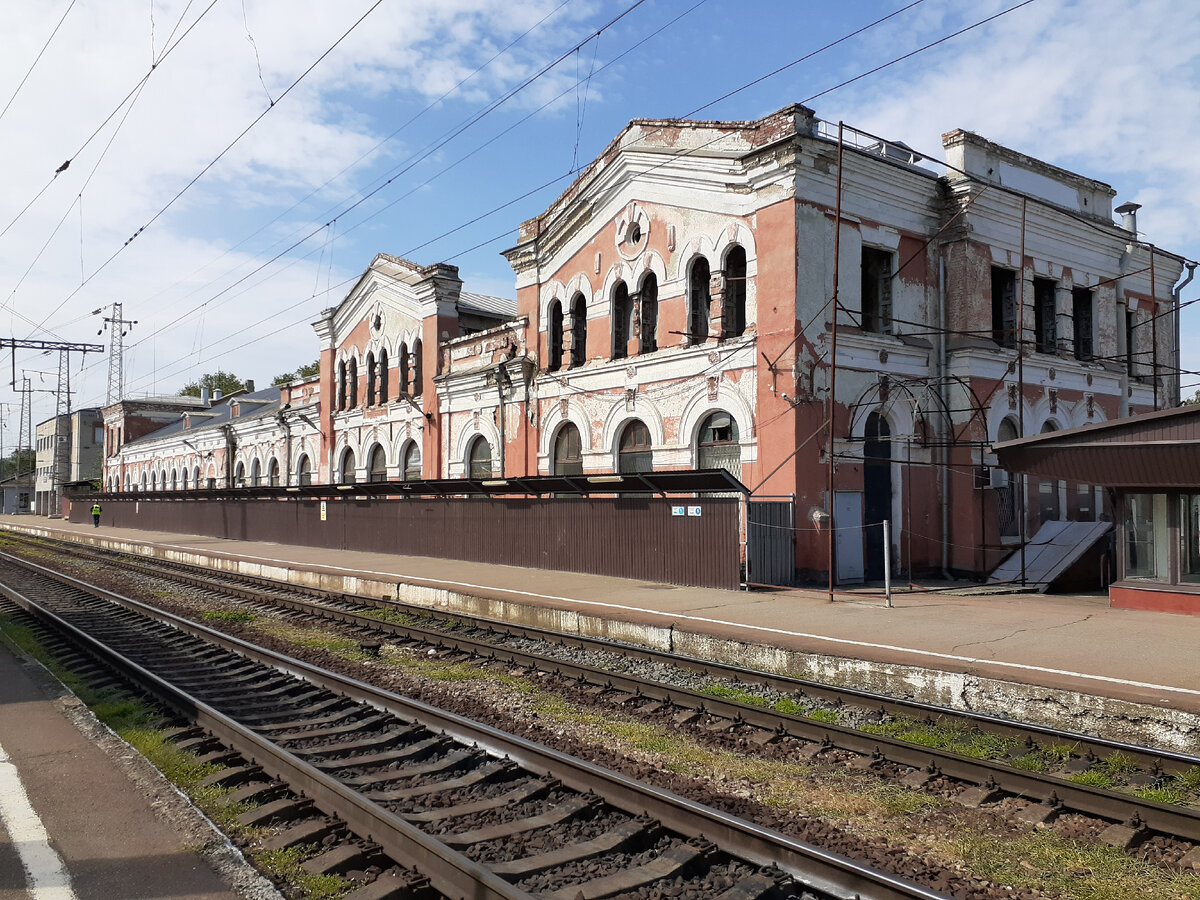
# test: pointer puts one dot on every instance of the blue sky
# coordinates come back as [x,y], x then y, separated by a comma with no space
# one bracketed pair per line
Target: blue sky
[1105,88]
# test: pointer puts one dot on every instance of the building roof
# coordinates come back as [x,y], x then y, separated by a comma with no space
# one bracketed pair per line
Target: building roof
[259,404]
[502,307]
[1152,451]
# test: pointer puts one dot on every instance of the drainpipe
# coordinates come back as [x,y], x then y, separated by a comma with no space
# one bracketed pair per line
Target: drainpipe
[287,448]
[944,470]
[1176,397]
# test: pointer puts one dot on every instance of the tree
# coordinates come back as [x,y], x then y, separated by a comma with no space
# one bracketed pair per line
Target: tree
[19,462]
[225,382]
[306,371]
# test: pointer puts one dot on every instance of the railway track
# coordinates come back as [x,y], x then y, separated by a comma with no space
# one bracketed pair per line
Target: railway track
[474,812]
[1130,818]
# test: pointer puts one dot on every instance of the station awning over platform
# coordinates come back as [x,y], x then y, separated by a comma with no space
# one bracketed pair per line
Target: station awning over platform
[1150,451]
[688,481]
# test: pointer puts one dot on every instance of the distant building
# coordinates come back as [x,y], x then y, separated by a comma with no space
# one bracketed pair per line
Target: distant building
[16,495]
[68,448]
[675,310]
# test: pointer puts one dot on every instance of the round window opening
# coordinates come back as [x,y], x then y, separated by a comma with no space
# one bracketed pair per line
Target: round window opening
[634,234]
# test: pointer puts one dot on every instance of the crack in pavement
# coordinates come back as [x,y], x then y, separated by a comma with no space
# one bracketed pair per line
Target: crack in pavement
[958,647]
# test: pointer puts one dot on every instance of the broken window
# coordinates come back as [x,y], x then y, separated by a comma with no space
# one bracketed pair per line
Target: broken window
[622,320]
[378,470]
[717,445]
[1081,314]
[1045,326]
[733,312]
[699,299]
[1004,307]
[346,469]
[479,459]
[648,298]
[554,337]
[412,462]
[568,451]
[634,453]
[578,331]
[876,290]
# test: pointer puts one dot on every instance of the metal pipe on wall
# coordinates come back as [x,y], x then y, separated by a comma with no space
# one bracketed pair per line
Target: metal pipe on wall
[837,245]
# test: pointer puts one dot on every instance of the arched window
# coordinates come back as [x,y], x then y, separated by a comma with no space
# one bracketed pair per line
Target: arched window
[154,481]
[184,480]
[1007,499]
[479,459]
[412,461]
[196,477]
[568,451]
[174,479]
[554,337]
[341,385]
[384,397]
[346,469]
[648,297]
[622,321]
[717,444]
[255,473]
[378,464]
[273,473]
[144,480]
[733,313]
[633,452]
[239,475]
[402,371]
[418,369]
[371,379]
[698,301]
[352,375]
[304,470]
[578,331]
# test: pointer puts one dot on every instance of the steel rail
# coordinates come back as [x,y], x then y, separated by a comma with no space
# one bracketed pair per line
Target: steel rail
[1172,760]
[811,866]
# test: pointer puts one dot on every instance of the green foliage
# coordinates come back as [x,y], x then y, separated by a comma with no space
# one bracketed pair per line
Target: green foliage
[227,615]
[220,380]
[19,462]
[305,371]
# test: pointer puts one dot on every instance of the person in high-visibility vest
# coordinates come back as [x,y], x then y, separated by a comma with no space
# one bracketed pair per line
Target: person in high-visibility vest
[96,515]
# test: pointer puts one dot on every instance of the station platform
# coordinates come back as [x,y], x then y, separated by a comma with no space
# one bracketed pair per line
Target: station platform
[80,819]
[1066,660]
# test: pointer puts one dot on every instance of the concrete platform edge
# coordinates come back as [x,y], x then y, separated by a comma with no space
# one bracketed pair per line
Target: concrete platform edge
[211,844]
[1086,713]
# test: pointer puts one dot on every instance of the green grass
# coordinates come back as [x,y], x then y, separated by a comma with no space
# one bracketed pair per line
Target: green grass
[785,705]
[227,615]
[286,866]
[392,616]
[1094,778]
[954,736]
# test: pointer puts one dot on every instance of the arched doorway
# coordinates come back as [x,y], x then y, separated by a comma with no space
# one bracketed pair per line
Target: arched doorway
[877,490]
[568,451]
[479,459]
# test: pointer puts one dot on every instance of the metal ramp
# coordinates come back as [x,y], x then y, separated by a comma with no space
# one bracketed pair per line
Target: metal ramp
[1050,553]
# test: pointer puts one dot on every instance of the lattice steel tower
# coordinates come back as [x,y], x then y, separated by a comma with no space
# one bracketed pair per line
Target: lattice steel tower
[119,327]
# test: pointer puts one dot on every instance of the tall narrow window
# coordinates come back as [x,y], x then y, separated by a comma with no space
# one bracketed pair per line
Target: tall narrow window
[384,397]
[239,475]
[1081,313]
[352,375]
[717,444]
[1008,501]
[648,297]
[568,451]
[412,462]
[402,370]
[341,385]
[1131,356]
[378,465]
[876,290]
[196,477]
[1045,326]
[370,379]
[622,314]
[185,479]
[418,369]
[733,314]
[304,470]
[698,301]
[479,459]
[634,453]
[346,469]
[272,474]
[1004,307]
[255,474]
[554,337]
[578,331]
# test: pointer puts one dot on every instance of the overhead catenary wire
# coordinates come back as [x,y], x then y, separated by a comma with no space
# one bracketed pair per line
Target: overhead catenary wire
[37,59]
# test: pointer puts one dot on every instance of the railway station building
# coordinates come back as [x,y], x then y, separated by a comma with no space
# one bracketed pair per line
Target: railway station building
[675,310]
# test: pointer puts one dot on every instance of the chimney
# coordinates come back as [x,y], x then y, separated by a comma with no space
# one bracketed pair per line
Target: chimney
[205,400]
[249,385]
[217,394]
[1128,213]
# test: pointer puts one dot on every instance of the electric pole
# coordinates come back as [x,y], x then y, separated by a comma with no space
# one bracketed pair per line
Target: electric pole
[116,351]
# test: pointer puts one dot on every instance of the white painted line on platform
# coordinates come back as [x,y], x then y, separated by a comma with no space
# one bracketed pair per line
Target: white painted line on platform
[933,654]
[48,878]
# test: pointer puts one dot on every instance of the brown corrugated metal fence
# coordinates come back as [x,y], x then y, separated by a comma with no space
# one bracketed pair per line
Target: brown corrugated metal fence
[642,538]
